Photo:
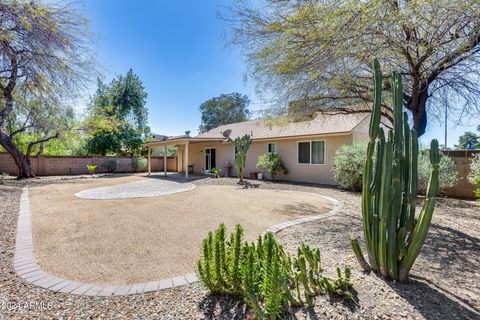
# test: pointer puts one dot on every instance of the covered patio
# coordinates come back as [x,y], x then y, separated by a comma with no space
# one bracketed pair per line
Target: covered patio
[181,143]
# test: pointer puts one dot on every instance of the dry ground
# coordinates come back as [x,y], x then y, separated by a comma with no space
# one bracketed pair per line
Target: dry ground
[443,284]
[129,241]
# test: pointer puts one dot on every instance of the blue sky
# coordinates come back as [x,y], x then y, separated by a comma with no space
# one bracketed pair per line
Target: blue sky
[178,50]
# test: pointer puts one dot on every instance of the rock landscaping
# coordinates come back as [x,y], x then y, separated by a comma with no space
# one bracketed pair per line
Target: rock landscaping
[443,282]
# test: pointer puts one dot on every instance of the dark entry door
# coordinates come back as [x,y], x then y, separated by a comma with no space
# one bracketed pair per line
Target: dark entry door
[210,159]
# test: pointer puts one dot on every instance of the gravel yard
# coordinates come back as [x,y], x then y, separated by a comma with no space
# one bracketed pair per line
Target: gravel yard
[443,284]
[137,240]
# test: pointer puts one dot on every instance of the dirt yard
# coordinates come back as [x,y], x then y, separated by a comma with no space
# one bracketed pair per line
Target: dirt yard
[139,240]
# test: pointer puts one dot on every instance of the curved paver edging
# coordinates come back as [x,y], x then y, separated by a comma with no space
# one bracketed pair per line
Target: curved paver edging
[28,269]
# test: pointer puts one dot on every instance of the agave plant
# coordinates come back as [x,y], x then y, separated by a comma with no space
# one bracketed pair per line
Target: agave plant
[393,233]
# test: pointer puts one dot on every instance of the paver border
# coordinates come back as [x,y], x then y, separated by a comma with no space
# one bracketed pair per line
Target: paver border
[27,268]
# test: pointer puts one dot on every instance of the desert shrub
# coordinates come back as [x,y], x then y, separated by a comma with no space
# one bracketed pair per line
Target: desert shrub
[111,165]
[139,164]
[216,172]
[271,163]
[91,168]
[348,165]
[474,176]
[263,275]
[447,178]
[350,162]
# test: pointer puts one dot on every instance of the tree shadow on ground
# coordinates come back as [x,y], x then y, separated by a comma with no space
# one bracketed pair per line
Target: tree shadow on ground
[452,248]
[450,255]
[222,307]
[434,302]
[300,209]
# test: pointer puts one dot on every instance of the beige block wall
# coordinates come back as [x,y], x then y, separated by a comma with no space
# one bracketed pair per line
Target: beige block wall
[68,165]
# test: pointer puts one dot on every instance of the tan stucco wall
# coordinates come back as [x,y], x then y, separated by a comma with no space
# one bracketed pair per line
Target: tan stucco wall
[286,148]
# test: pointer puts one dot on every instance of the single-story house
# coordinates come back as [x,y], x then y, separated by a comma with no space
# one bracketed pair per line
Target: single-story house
[306,147]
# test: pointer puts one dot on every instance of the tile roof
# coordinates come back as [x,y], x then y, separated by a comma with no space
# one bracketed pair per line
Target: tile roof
[281,127]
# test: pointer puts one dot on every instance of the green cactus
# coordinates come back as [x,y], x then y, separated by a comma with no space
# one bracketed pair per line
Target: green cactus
[263,274]
[241,144]
[390,186]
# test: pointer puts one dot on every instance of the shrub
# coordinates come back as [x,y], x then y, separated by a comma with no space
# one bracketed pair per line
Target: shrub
[349,164]
[474,176]
[268,279]
[271,163]
[447,178]
[139,164]
[216,172]
[91,168]
[111,165]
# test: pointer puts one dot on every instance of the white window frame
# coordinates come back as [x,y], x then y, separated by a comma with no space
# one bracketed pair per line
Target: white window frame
[276,147]
[310,142]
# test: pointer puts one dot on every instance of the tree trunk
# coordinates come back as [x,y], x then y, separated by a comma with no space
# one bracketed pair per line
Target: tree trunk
[417,105]
[24,169]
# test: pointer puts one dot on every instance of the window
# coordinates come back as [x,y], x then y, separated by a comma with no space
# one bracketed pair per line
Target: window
[272,148]
[311,152]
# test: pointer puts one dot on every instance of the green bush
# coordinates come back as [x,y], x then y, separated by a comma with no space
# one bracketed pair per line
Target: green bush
[268,279]
[447,178]
[111,165]
[91,168]
[216,172]
[474,176]
[349,164]
[271,163]
[139,164]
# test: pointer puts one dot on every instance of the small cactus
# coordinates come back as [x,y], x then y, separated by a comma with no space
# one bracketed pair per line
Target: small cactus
[390,187]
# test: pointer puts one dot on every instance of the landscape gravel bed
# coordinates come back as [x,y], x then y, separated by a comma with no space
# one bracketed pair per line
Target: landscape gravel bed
[443,285]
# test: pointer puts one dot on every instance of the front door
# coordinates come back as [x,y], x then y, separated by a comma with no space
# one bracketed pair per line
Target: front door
[209,159]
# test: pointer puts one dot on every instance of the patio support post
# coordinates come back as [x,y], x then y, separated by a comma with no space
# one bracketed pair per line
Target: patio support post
[149,161]
[165,160]
[186,160]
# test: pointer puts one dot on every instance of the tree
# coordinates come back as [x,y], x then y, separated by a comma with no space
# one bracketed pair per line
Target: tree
[117,120]
[44,50]
[36,122]
[318,53]
[468,140]
[225,109]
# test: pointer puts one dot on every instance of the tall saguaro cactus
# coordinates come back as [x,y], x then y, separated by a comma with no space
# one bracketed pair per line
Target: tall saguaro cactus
[393,233]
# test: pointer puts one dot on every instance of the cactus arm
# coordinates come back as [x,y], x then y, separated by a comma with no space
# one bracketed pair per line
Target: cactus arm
[420,231]
[367,196]
[377,101]
[406,172]
[384,205]
[359,255]
[413,179]
[397,185]
[376,199]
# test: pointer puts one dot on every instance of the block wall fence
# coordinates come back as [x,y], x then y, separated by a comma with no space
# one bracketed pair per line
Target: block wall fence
[71,165]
